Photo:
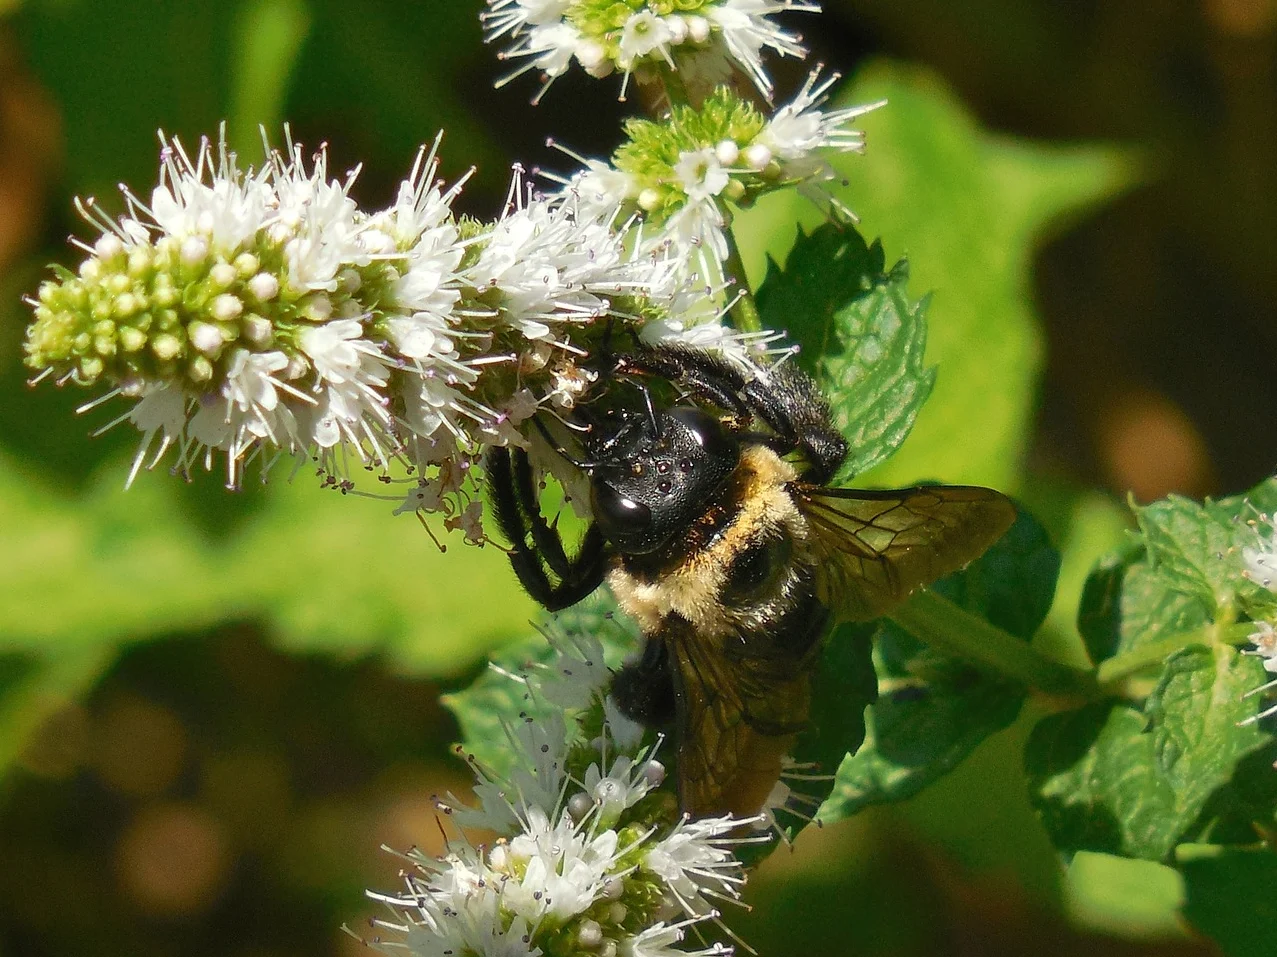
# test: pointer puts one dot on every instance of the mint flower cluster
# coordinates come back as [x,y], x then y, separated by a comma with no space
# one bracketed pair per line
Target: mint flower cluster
[678,175]
[705,41]
[259,313]
[590,857]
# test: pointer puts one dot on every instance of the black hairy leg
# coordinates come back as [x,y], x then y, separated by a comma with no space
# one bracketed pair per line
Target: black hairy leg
[536,549]
[644,689]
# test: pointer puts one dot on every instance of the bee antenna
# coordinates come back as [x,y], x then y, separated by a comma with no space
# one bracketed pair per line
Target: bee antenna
[554,444]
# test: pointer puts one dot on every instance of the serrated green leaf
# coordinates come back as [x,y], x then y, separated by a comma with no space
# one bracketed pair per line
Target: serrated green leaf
[932,710]
[1188,545]
[860,336]
[1124,897]
[1120,779]
[968,208]
[1230,899]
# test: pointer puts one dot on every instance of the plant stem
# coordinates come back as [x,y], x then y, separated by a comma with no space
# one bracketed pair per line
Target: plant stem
[1120,667]
[936,620]
[744,311]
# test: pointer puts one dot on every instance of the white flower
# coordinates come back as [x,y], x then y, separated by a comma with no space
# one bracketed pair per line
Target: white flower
[545,37]
[626,783]
[567,869]
[207,200]
[160,410]
[564,866]
[1264,640]
[537,780]
[317,221]
[601,190]
[695,860]
[644,32]
[555,267]
[431,404]
[796,131]
[748,351]
[745,30]
[577,673]
[626,732]
[1261,562]
[507,16]
[548,47]
[660,940]
[700,174]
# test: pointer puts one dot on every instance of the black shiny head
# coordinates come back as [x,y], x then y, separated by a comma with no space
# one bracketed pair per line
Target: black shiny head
[653,478]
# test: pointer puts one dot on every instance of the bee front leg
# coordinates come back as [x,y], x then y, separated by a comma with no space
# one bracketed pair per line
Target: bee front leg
[536,549]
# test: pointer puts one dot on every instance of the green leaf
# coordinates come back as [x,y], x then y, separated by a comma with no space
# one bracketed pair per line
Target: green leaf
[969,208]
[933,710]
[842,687]
[1124,897]
[1230,899]
[1120,779]
[1188,545]
[859,334]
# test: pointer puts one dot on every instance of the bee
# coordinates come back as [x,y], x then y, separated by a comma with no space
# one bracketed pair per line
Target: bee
[715,530]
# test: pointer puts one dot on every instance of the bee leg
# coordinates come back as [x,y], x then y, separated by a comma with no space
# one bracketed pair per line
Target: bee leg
[788,400]
[644,689]
[536,550]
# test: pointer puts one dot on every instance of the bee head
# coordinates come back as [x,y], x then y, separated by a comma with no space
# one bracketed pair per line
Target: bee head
[653,478]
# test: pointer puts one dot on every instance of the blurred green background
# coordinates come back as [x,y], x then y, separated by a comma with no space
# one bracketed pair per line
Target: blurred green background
[214,708]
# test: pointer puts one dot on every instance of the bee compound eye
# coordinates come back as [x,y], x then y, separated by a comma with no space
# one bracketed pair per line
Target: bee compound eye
[618,514]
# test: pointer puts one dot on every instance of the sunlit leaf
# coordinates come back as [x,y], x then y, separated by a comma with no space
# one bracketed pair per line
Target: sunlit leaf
[860,336]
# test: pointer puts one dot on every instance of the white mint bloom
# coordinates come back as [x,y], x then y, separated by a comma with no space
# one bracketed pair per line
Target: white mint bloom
[555,266]
[565,866]
[1260,560]
[645,33]
[317,221]
[536,780]
[547,34]
[626,783]
[1264,645]
[748,351]
[509,16]
[701,174]
[578,869]
[350,409]
[746,30]
[161,410]
[661,940]
[695,859]
[577,674]
[209,201]
[799,129]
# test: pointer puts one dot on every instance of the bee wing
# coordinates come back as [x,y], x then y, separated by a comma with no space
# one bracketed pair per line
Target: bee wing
[738,718]
[872,548]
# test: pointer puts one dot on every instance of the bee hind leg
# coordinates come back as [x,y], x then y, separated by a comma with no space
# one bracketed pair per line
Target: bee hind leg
[536,549]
